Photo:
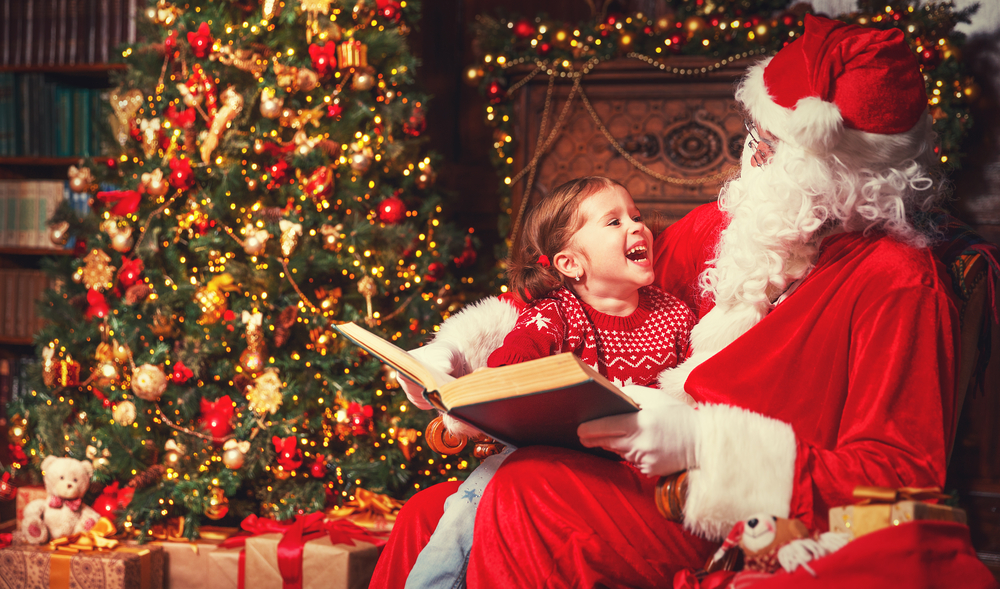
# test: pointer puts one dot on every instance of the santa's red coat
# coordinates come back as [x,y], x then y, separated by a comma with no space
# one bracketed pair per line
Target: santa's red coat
[849,381]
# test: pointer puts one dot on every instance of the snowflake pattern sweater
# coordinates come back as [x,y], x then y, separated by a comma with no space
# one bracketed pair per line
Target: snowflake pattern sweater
[625,350]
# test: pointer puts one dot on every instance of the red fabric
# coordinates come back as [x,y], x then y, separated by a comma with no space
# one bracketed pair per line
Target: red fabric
[558,518]
[915,555]
[871,75]
[413,528]
[860,360]
[625,350]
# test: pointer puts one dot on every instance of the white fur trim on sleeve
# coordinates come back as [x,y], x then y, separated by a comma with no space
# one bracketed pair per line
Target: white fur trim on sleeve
[746,465]
[477,330]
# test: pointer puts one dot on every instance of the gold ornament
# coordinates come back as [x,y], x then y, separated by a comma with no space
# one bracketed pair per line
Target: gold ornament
[762,32]
[360,158]
[124,413]
[125,105]
[271,8]
[150,136]
[119,352]
[363,81]
[472,75]
[234,453]
[99,457]
[304,144]
[290,233]
[368,289]
[313,8]
[163,326]
[352,53]
[172,455]
[293,79]
[425,175]
[664,24]
[97,273]
[407,439]
[331,236]
[320,339]
[264,395]
[149,382]
[17,430]
[252,358]
[50,366]
[163,13]
[255,240]
[271,105]
[212,298]
[80,179]
[122,242]
[242,59]
[218,503]
[693,25]
[258,146]
[154,183]
[232,104]
[59,233]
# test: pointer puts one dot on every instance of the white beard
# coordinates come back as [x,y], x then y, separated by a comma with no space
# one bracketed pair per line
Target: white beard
[771,241]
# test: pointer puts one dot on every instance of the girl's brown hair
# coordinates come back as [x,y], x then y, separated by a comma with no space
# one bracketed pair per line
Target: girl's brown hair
[548,228]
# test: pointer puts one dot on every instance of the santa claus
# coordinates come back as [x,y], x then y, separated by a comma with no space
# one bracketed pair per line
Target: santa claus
[825,355]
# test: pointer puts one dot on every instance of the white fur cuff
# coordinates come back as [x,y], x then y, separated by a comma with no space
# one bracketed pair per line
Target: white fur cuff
[477,330]
[746,465]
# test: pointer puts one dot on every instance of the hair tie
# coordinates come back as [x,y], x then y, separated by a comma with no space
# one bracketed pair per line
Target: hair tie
[543,260]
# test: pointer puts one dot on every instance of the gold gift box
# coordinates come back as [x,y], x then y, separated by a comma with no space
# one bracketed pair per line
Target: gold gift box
[904,507]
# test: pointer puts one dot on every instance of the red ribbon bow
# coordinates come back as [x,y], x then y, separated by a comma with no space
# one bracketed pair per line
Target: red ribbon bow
[74,504]
[126,201]
[295,533]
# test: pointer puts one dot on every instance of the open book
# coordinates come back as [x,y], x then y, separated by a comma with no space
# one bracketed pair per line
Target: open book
[539,402]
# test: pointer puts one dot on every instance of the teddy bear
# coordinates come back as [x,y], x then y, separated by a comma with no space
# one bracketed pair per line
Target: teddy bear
[62,513]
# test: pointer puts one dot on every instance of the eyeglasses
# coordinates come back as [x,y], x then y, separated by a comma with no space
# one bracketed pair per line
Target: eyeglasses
[759,158]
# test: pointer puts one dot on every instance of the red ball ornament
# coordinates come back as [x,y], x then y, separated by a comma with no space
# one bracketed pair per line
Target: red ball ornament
[318,469]
[523,29]
[388,9]
[201,41]
[181,174]
[279,169]
[130,272]
[111,163]
[788,20]
[106,505]
[416,124]
[360,418]
[495,92]
[97,306]
[392,210]
[170,43]
[468,255]
[544,49]
[930,57]
[435,272]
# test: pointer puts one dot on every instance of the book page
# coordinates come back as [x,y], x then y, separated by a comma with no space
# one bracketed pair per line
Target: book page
[408,366]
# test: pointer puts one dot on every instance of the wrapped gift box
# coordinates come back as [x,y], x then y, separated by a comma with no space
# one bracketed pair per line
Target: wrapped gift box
[324,564]
[187,562]
[859,520]
[224,568]
[40,567]
[26,495]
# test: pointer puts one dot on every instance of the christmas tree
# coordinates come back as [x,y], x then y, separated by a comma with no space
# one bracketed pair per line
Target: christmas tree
[268,182]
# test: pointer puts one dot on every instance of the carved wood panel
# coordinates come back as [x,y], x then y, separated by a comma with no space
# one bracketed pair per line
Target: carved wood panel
[678,127]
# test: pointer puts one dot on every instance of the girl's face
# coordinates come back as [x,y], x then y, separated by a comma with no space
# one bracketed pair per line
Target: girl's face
[614,247]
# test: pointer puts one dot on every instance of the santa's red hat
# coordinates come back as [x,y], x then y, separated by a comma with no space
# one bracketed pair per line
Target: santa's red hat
[836,76]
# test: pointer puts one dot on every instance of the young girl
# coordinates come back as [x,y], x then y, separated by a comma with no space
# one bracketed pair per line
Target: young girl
[582,263]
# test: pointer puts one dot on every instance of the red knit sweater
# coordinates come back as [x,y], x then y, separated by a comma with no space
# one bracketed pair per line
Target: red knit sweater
[625,350]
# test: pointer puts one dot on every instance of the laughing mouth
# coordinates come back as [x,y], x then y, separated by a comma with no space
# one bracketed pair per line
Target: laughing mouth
[636,253]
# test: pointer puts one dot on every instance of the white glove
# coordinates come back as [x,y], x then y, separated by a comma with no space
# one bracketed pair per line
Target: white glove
[440,357]
[648,396]
[659,439]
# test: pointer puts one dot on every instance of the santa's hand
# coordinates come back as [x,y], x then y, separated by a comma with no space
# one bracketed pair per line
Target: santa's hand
[439,357]
[659,439]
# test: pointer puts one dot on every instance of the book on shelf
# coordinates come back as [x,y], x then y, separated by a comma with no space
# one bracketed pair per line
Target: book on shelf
[20,290]
[538,402]
[25,209]
[63,32]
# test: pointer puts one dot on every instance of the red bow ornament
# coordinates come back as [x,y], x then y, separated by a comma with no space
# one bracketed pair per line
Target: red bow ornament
[126,201]
[215,416]
[289,455]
